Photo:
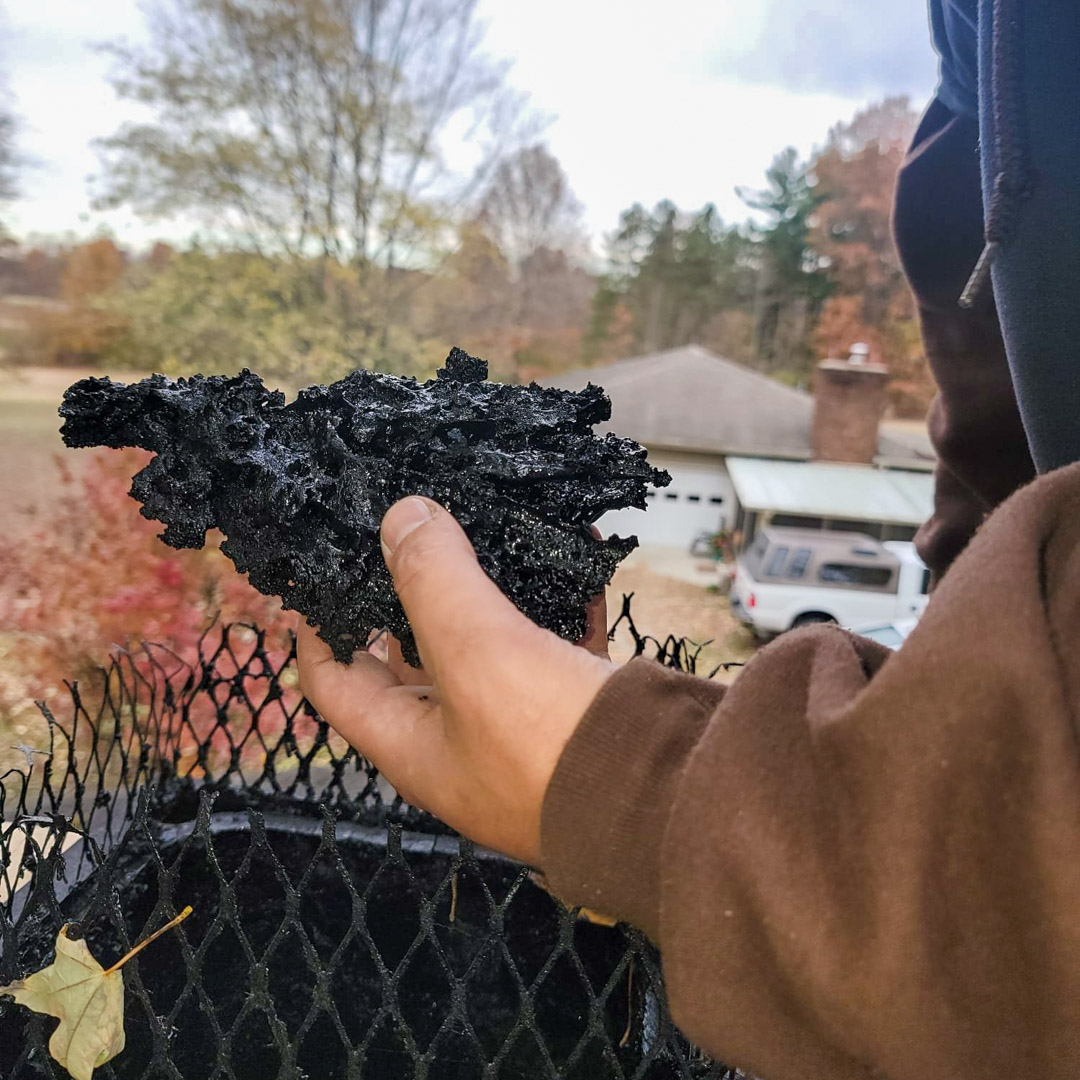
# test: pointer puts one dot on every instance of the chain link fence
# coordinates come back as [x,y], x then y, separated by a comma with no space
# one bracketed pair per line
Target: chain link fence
[337,932]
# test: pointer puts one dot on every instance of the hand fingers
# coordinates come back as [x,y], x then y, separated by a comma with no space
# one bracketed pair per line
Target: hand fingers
[397,728]
[596,639]
[395,661]
[332,687]
[455,609]
[378,644]
[355,699]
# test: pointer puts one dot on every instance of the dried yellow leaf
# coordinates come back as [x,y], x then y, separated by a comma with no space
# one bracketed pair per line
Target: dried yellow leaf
[87,999]
[588,914]
[89,1003]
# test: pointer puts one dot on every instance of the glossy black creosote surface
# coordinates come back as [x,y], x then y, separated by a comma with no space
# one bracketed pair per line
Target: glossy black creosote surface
[299,489]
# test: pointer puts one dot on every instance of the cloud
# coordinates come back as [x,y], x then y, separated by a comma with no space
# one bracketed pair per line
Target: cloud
[686,100]
[853,49]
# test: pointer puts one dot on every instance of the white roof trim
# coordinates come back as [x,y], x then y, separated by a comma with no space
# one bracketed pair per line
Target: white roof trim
[824,489]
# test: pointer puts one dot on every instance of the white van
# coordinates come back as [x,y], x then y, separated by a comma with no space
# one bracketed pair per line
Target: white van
[793,577]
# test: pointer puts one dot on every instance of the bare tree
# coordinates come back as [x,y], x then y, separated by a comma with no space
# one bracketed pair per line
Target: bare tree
[9,158]
[310,126]
[8,186]
[528,205]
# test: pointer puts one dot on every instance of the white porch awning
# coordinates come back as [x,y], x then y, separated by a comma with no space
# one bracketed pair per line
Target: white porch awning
[823,489]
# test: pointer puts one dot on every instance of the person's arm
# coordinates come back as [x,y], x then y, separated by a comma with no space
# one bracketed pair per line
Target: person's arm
[854,863]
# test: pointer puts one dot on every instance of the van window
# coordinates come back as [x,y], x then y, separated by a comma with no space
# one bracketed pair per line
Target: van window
[776,563]
[899,532]
[798,521]
[799,563]
[876,577]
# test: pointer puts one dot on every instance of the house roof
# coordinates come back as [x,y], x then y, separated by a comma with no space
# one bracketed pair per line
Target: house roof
[824,489]
[690,399]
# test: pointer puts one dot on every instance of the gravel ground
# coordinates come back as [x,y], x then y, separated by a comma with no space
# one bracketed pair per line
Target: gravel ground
[662,606]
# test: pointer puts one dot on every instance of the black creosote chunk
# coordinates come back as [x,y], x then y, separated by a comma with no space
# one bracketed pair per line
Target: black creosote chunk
[299,489]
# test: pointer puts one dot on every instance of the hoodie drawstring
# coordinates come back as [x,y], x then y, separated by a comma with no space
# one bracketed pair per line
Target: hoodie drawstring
[1014,179]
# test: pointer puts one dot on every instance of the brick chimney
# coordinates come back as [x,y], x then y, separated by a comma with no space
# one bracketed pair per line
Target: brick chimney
[849,402]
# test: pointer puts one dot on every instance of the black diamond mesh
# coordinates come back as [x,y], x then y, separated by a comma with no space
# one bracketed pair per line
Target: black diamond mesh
[337,932]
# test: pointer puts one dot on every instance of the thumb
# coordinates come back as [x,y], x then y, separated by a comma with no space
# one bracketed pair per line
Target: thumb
[452,604]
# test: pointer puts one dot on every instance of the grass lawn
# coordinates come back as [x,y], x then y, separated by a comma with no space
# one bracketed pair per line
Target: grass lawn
[30,440]
[29,443]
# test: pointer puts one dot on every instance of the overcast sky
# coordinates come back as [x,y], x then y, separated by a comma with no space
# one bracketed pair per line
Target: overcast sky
[649,99]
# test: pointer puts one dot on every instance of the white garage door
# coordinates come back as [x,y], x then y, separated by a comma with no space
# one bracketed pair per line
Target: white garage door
[699,499]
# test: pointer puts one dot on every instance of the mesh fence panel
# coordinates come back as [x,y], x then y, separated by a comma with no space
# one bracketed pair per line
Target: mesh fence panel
[337,933]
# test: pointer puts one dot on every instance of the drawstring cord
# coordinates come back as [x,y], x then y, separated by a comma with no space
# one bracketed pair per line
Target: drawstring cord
[1013,181]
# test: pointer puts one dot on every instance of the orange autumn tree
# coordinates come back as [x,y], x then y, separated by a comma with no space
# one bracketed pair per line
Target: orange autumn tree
[869,300]
[86,327]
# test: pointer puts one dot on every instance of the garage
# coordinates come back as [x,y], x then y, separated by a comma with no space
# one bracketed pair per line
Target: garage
[695,411]
[700,499]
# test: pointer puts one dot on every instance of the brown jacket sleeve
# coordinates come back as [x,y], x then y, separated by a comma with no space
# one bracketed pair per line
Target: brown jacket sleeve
[858,863]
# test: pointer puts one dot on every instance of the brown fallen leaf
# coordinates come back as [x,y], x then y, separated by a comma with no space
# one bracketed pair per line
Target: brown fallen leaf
[87,999]
[588,914]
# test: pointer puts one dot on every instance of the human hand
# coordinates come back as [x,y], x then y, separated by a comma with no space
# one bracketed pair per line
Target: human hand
[477,742]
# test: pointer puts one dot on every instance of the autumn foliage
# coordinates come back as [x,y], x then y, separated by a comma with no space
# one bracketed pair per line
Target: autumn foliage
[93,574]
[869,299]
[813,271]
[80,326]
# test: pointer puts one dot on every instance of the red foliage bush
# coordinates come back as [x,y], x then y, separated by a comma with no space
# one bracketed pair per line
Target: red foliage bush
[95,577]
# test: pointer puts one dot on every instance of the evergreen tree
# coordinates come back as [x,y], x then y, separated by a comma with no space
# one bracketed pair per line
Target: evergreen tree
[791,283]
[673,272]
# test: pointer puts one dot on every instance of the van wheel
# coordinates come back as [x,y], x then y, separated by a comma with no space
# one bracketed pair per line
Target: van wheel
[808,618]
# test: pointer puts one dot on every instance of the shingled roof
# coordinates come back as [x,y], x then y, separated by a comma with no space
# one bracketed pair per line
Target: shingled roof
[690,399]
